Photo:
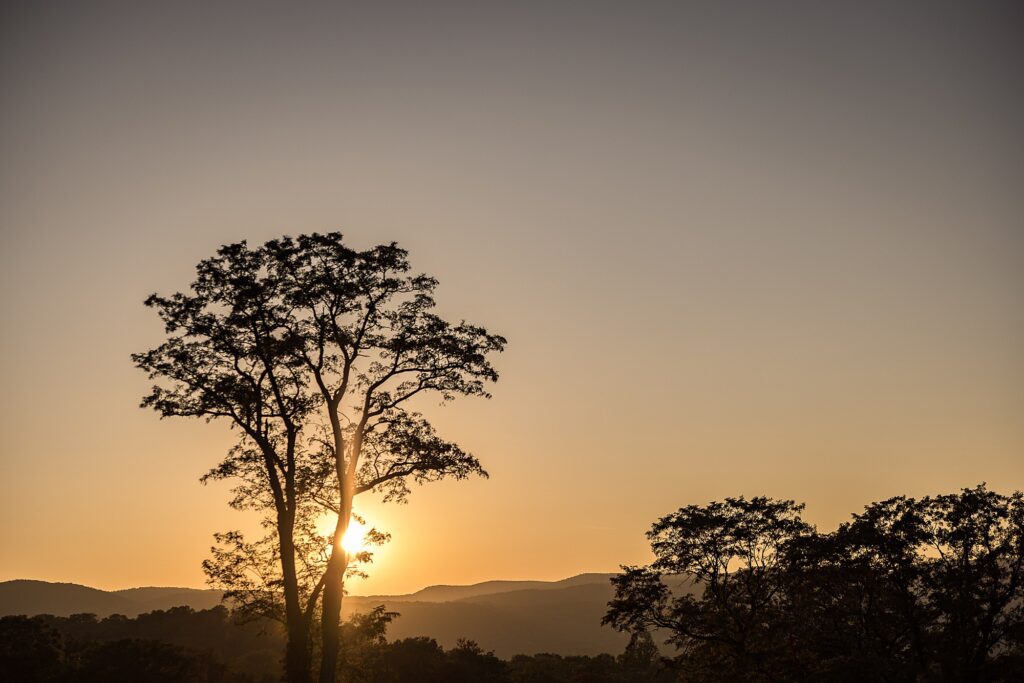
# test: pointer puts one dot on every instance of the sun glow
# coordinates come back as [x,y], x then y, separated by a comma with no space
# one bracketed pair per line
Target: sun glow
[354,539]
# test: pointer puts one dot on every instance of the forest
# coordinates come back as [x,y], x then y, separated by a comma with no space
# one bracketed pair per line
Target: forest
[212,646]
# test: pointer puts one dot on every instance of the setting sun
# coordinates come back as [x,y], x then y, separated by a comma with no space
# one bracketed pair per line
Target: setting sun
[354,538]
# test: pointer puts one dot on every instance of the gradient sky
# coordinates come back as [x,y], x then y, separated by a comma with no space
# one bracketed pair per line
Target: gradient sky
[752,248]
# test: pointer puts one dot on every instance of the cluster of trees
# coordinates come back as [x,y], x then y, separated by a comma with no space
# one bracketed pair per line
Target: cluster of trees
[313,352]
[212,646]
[369,657]
[911,589]
[172,646]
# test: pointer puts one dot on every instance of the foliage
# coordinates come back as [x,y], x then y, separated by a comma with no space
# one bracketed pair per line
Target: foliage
[312,351]
[169,646]
[909,590]
[212,646]
[30,651]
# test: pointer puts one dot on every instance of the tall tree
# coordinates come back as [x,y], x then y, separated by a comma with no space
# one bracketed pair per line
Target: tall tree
[911,589]
[724,613]
[225,358]
[370,341]
[314,351]
[976,578]
[956,564]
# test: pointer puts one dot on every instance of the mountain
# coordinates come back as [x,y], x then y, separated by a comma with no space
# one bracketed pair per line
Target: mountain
[509,617]
[63,599]
[152,598]
[445,593]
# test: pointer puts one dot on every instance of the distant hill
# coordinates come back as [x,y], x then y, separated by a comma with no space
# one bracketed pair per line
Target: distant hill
[444,593]
[152,598]
[63,599]
[509,617]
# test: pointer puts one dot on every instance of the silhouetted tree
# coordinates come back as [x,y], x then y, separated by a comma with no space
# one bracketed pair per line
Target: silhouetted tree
[364,640]
[469,663]
[848,622]
[370,341]
[185,646]
[976,577]
[419,658]
[146,661]
[227,355]
[733,551]
[641,657]
[925,589]
[954,564]
[911,589]
[313,350]
[30,650]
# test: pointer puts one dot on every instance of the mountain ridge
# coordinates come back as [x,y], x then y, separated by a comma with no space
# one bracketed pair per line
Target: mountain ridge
[449,592]
[506,616]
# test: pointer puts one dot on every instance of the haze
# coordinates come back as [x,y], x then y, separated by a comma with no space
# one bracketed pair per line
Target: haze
[735,251]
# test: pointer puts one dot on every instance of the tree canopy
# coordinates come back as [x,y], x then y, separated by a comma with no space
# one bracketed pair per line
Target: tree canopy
[314,352]
[910,589]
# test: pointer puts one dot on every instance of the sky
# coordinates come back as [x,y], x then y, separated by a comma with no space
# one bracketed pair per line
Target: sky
[736,248]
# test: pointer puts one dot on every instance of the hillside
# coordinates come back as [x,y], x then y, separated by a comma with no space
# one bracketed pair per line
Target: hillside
[444,593]
[63,599]
[153,598]
[509,617]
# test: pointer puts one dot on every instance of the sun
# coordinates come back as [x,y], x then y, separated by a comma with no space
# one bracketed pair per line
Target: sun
[354,539]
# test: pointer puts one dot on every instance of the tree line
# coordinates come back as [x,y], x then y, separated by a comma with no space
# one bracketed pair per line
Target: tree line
[910,589]
[214,646]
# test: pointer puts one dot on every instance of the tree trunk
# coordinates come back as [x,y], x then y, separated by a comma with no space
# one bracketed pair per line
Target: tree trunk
[297,664]
[330,615]
[297,657]
[337,564]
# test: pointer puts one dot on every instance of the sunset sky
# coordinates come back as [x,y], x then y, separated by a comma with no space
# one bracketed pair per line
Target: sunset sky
[735,250]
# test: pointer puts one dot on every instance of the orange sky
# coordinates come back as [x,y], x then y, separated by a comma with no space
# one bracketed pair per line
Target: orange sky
[734,250]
